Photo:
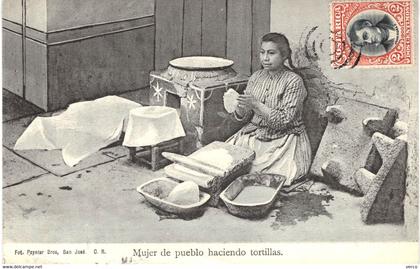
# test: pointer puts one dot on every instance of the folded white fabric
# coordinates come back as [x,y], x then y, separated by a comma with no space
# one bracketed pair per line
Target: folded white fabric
[151,125]
[84,128]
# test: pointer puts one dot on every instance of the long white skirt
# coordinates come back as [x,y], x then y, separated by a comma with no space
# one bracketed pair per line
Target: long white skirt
[289,155]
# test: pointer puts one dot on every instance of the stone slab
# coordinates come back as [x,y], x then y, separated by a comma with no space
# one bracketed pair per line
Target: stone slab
[115,152]
[399,128]
[315,105]
[346,142]
[364,178]
[53,162]
[16,169]
[384,199]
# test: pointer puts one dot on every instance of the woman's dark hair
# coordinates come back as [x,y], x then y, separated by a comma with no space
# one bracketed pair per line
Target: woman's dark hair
[282,43]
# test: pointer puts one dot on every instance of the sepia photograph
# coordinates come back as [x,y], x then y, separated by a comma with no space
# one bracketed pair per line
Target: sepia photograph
[228,131]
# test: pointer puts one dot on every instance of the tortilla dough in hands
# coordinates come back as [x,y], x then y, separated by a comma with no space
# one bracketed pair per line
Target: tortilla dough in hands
[230,100]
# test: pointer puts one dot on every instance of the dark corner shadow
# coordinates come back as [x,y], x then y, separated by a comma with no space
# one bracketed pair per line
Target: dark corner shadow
[289,210]
[15,107]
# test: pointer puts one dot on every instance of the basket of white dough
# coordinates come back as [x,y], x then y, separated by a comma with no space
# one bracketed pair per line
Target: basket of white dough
[252,195]
[184,199]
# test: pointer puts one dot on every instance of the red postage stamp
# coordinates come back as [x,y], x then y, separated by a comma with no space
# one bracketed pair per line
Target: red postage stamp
[371,34]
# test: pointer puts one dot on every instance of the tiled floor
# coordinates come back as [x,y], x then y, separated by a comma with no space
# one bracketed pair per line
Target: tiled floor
[45,201]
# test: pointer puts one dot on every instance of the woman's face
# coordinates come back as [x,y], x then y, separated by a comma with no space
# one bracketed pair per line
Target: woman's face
[270,56]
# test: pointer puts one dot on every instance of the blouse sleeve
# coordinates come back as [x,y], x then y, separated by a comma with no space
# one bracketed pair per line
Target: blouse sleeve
[289,105]
[248,115]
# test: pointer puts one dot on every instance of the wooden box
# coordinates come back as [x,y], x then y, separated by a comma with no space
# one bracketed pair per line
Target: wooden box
[199,98]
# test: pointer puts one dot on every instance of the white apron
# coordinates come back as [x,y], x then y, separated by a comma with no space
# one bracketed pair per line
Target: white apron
[289,156]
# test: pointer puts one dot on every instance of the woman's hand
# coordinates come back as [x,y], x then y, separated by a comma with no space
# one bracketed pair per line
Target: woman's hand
[247,102]
[241,110]
[242,107]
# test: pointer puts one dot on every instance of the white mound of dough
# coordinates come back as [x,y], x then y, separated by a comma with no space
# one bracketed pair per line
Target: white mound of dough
[185,193]
[230,100]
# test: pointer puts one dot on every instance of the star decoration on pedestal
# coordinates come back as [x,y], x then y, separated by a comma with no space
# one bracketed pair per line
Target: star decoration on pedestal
[191,102]
[158,90]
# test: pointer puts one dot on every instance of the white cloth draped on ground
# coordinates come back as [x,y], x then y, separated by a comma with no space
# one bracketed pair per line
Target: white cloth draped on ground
[151,125]
[289,155]
[84,128]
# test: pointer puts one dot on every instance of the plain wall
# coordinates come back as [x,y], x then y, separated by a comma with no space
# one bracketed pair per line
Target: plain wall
[64,14]
[12,10]
[36,14]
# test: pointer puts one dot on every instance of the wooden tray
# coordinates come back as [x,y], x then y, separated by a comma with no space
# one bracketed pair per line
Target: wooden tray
[251,209]
[156,190]
[235,160]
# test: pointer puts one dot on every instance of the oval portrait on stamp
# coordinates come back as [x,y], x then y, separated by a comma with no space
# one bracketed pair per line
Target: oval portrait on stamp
[373,32]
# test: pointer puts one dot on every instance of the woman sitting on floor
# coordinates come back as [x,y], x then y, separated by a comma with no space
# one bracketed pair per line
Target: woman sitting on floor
[273,105]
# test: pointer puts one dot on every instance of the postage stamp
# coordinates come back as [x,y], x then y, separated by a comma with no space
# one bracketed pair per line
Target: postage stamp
[377,33]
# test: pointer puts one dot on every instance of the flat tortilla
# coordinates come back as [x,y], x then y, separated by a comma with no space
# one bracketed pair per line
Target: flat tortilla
[230,100]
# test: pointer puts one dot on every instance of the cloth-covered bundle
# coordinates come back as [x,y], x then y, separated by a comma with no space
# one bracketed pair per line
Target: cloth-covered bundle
[86,127]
